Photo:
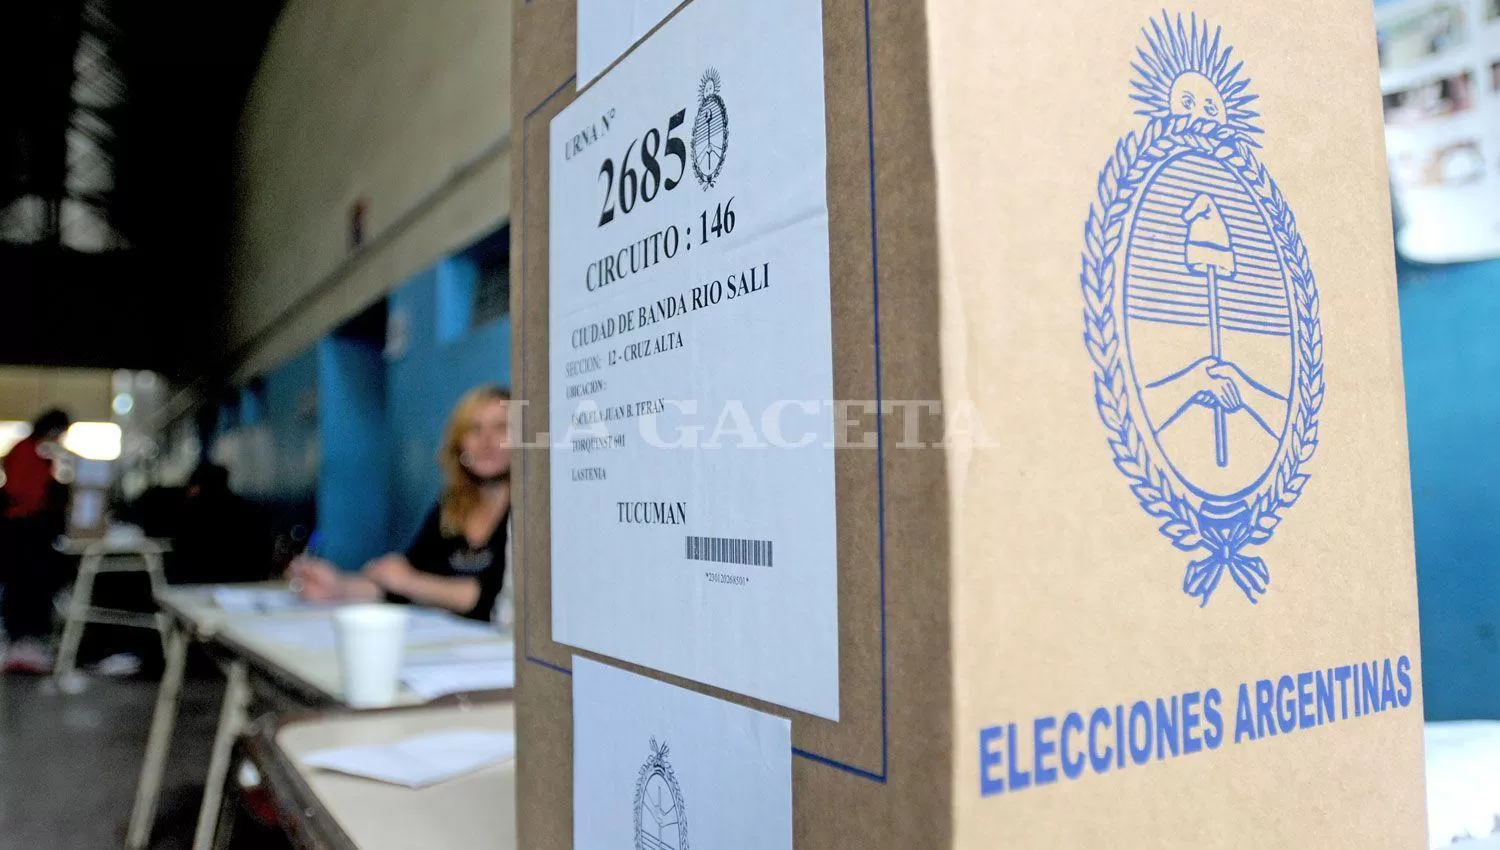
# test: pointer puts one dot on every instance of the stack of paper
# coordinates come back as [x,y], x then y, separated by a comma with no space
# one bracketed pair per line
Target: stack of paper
[430,681]
[421,760]
[465,653]
[465,668]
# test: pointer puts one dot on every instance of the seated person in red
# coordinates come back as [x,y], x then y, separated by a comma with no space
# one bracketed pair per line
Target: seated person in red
[457,560]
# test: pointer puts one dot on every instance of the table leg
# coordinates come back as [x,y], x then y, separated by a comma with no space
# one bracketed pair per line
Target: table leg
[224,819]
[158,578]
[78,610]
[143,815]
[232,719]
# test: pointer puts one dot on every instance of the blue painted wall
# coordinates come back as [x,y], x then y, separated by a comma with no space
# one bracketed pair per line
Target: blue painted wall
[1450,335]
[441,360]
[1450,339]
[270,440]
[353,480]
[356,431]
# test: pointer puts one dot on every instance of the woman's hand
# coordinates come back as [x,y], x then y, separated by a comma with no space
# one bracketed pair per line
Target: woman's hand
[315,580]
[391,573]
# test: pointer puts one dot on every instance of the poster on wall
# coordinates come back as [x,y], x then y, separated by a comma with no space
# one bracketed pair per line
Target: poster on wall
[1440,83]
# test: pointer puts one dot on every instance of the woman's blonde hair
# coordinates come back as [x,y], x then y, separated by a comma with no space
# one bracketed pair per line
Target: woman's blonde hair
[461,490]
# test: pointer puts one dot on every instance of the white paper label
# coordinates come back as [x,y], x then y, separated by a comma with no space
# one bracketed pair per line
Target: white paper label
[607,28]
[664,768]
[693,524]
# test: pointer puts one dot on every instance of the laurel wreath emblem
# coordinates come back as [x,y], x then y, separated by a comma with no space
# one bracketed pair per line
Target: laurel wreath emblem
[1184,524]
[657,763]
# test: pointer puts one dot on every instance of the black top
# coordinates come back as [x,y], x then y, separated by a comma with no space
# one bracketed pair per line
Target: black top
[436,553]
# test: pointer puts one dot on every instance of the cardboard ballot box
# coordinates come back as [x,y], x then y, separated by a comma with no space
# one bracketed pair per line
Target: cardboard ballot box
[961,424]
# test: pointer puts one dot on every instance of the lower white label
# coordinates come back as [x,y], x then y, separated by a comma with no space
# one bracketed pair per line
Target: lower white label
[657,767]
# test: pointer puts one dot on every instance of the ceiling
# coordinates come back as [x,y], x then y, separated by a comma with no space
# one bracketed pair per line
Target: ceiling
[116,140]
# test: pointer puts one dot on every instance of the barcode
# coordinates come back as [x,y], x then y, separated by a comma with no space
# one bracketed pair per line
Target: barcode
[729,550]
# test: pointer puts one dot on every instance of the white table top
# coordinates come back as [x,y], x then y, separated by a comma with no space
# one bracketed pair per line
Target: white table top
[478,810]
[242,634]
[194,604]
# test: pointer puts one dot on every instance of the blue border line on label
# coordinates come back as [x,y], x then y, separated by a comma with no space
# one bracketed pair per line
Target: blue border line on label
[879,424]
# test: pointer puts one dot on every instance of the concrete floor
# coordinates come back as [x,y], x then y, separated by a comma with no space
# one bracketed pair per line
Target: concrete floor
[69,765]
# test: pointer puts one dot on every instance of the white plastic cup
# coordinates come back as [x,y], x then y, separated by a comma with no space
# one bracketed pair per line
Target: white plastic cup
[371,642]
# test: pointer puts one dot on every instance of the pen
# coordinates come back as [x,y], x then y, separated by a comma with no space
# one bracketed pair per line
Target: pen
[310,551]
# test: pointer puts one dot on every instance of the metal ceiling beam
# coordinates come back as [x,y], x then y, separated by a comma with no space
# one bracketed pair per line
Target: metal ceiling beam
[116,135]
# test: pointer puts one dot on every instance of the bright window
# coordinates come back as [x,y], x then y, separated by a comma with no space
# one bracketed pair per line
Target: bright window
[88,440]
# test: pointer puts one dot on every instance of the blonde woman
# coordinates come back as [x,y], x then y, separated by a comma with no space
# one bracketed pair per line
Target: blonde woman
[457,560]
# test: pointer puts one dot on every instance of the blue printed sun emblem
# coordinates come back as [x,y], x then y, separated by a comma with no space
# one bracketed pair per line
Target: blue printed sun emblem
[1183,73]
[1201,314]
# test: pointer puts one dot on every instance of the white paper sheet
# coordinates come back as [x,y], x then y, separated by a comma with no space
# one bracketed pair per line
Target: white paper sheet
[693,504]
[654,764]
[430,681]
[421,760]
[315,632]
[607,28]
[247,600]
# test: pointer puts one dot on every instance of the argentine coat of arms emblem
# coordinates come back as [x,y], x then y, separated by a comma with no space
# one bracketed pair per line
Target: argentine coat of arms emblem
[1201,313]
[660,819]
[710,140]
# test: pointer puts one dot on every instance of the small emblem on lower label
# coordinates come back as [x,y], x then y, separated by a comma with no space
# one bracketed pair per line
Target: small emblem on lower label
[660,821]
